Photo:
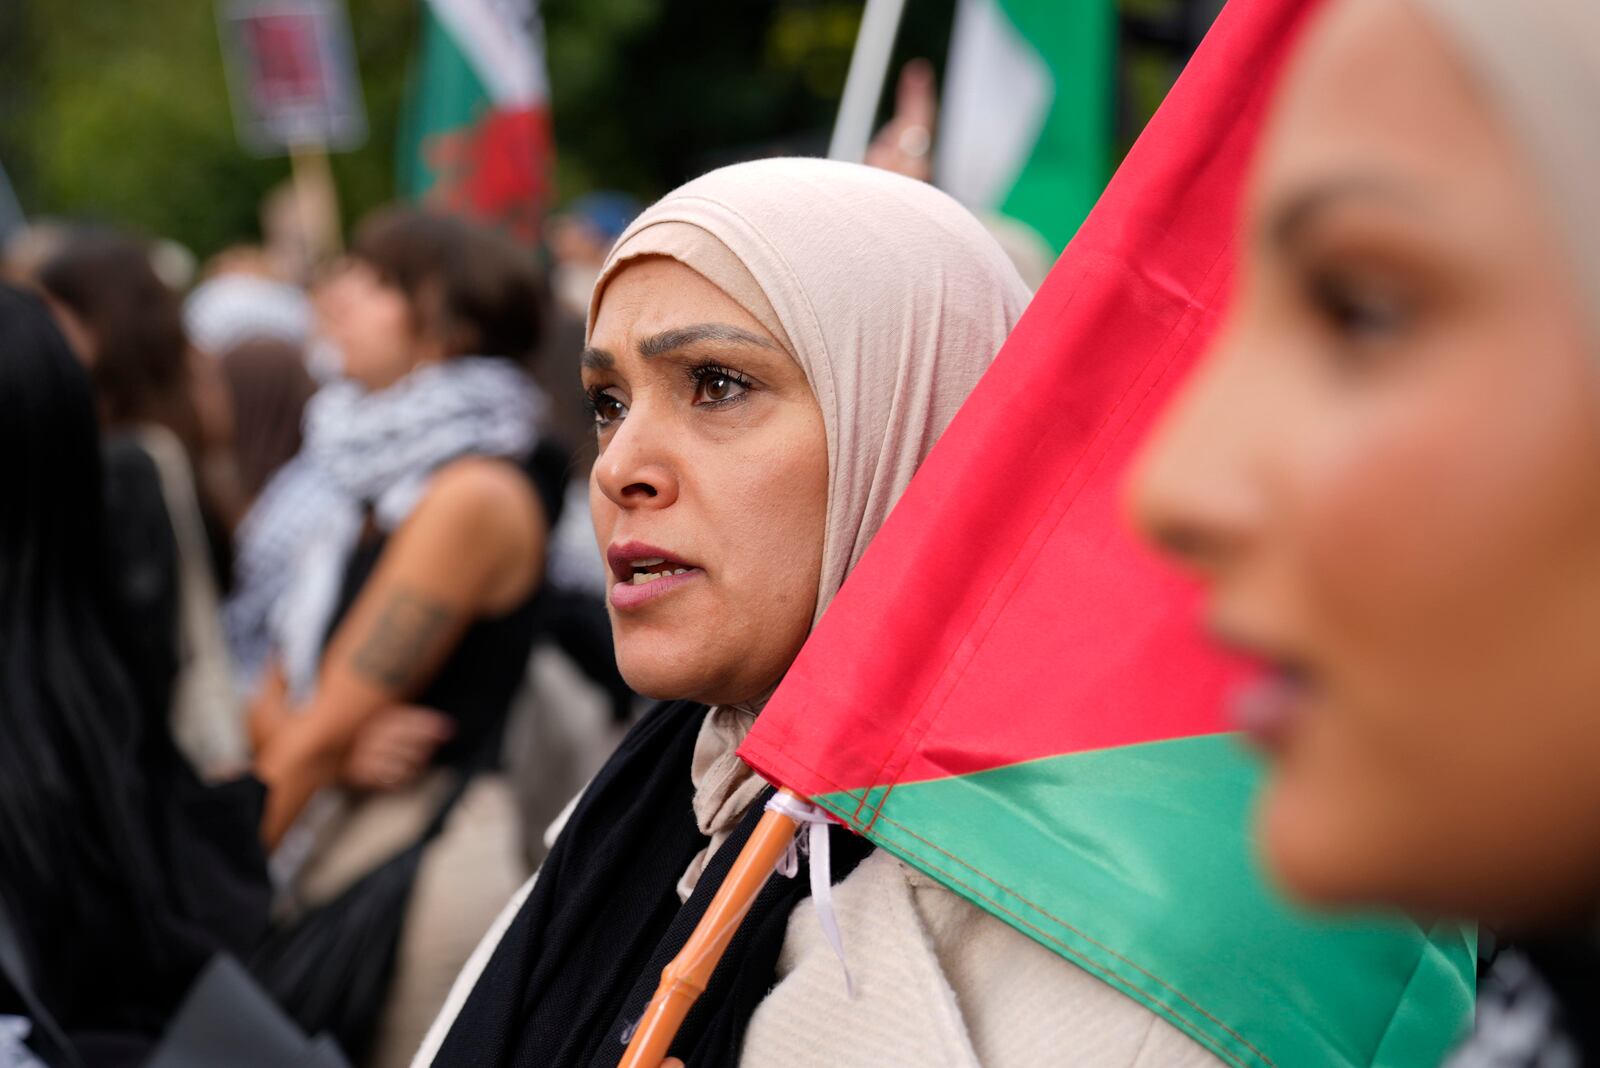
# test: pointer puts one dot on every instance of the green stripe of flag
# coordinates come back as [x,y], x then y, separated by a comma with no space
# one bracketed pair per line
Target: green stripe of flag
[1139,872]
[1029,110]
[446,95]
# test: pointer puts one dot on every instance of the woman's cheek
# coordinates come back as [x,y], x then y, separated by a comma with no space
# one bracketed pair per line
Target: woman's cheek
[776,501]
[1436,528]
[1356,543]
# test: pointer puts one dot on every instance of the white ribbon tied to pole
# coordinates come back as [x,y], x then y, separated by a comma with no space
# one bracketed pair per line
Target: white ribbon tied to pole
[816,823]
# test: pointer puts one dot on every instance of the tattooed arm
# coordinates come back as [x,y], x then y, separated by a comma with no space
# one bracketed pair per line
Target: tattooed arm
[474,547]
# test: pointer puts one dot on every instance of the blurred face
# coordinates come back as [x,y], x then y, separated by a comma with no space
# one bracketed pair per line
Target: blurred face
[373,326]
[710,491]
[1389,476]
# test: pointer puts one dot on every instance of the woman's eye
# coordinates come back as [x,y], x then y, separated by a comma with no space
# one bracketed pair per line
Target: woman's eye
[713,386]
[1361,311]
[606,408]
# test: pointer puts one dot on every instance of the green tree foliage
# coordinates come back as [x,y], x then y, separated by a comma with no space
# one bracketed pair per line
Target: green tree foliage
[118,111]
[649,93]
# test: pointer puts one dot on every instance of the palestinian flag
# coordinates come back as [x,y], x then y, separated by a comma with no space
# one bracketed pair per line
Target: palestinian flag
[476,132]
[1010,693]
[1028,111]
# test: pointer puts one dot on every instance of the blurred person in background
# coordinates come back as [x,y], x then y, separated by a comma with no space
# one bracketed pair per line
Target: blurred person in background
[579,239]
[28,247]
[166,413]
[1388,477]
[240,300]
[300,225]
[268,389]
[905,146]
[406,627]
[258,331]
[120,874]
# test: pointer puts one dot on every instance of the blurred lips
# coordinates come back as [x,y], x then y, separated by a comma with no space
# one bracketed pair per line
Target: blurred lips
[1268,709]
[644,573]
[1270,706]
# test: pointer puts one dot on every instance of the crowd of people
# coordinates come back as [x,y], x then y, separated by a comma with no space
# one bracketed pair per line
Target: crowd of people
[268,602]
[318,727]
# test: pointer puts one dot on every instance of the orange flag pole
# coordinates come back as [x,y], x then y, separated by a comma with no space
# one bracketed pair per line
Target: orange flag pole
[685,979]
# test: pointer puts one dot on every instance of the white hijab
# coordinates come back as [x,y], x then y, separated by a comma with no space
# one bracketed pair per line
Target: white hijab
[891,297]
[1538,64]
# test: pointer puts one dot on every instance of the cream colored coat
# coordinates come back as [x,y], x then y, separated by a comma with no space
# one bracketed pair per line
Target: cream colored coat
[940,984]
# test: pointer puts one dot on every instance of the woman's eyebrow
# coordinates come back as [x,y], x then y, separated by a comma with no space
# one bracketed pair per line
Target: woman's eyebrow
[699,333]
[1291,219]
[595,359]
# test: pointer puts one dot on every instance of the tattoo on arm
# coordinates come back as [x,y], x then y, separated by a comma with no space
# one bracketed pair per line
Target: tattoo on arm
[400,639]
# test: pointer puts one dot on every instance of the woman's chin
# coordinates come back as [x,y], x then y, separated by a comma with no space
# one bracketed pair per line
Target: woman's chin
[1329,850]
[661,676]
[1305,856]
[656,685]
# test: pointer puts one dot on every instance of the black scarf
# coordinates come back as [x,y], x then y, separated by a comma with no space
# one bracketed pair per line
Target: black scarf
[580,961]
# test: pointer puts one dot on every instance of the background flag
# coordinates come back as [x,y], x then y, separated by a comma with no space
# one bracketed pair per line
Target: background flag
[1011,694]
[476,134]
[1028,110]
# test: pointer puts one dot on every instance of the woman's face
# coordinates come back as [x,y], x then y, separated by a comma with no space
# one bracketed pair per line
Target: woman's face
[710,491]
[1388,475]
[372,325]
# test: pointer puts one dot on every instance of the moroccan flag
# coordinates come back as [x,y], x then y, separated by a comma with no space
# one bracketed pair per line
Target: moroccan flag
[476,136]
[1027,113]
[1010,693]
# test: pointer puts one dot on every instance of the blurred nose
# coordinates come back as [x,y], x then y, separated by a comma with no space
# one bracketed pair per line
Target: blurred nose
[1196,492]
[637,469]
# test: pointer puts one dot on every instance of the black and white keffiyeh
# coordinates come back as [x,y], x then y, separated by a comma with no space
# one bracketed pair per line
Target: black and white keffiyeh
[1536,1009]
[372,453]
[268,542]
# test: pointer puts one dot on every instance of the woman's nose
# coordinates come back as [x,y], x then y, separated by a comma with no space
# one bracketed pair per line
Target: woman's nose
[636,468]
[1194,493]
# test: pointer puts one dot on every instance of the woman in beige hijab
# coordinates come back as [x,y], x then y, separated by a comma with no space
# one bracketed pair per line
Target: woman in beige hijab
[1389,478]
[773,349]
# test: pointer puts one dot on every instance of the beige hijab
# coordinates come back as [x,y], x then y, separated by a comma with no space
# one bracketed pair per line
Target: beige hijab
[891,297]
[1538,63]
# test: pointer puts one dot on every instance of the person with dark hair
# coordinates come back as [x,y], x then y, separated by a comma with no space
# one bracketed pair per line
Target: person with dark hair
[126,327]
[407,623]
[270,388]
[120,874]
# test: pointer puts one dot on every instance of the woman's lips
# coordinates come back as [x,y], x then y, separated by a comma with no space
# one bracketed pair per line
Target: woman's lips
[644,572]
[631,593]
[1268,709]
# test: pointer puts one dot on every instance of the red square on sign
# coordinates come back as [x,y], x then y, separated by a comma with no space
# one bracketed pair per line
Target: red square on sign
[288,59]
